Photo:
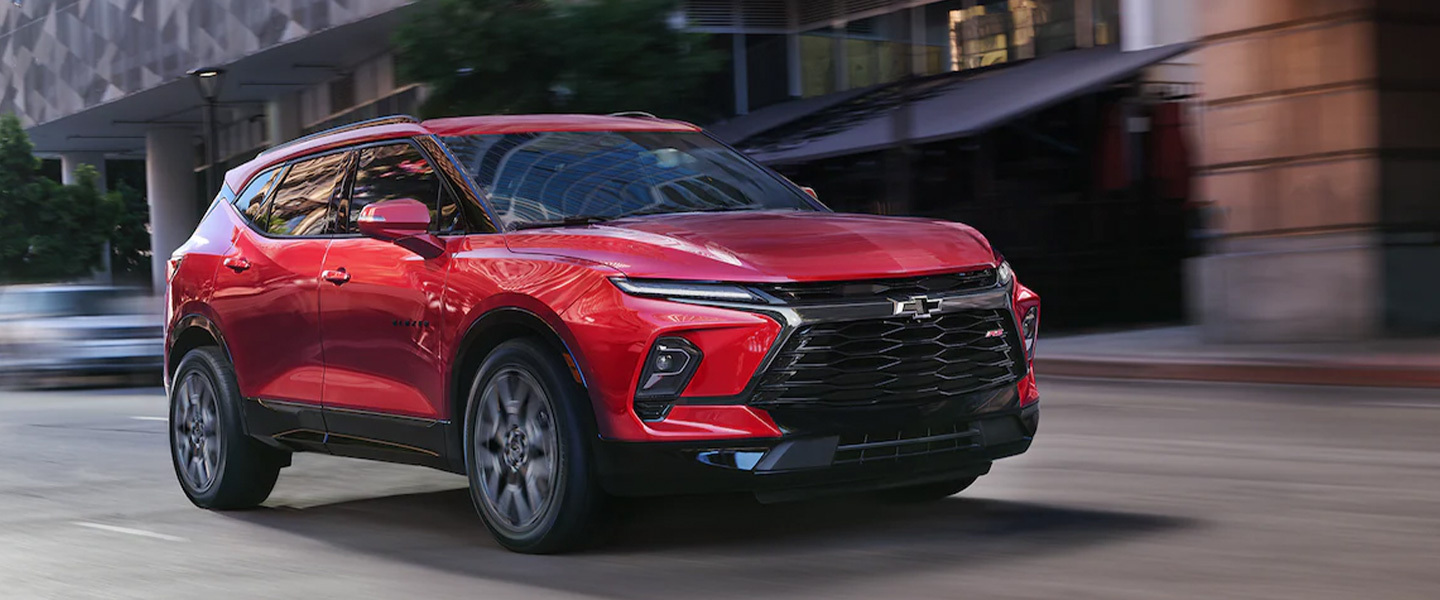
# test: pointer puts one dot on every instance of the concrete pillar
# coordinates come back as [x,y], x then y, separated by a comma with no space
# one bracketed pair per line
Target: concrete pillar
[796,80]
[741,60]
[282,119]
[1137,25]
[170,189]
[71,161]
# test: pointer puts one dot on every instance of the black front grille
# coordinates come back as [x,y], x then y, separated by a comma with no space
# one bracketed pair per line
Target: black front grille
[868,289]
[892,361]
[913,441]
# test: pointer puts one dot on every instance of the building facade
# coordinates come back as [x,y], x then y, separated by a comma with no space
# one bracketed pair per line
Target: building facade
[1321,153]
[787,49]
[99,80]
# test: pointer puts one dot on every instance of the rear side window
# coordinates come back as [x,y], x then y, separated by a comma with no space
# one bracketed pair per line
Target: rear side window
[251,200]
[392,172]
[302,204]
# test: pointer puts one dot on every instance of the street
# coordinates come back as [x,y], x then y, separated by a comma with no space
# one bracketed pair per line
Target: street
[1132,490]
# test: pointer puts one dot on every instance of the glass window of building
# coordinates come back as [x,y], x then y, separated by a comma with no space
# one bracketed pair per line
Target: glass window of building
[981,35]
[1053,22]
[968,34]
[768,74]
[1107,22]
[875,49]
[817,61]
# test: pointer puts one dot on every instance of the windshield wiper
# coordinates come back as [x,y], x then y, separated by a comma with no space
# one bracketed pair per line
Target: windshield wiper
[596,219]
[565,222]
[708,209]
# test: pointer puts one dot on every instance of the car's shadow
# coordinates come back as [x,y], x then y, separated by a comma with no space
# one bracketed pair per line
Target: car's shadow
[719,546]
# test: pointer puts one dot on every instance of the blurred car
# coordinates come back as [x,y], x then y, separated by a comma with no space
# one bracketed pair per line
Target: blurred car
[57,333]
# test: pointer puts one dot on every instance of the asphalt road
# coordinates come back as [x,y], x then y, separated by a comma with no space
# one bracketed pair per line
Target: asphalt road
[1132,490]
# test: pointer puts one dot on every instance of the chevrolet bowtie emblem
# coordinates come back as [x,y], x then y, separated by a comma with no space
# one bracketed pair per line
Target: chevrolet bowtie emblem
[920,307]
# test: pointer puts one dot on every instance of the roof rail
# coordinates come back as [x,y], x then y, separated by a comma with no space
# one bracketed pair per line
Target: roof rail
[376,122]
[639,114]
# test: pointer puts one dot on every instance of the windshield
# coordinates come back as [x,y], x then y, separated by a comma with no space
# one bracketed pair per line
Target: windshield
[554,177]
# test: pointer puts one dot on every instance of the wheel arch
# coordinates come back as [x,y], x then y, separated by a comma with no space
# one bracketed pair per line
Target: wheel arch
[485,333]
[192,331]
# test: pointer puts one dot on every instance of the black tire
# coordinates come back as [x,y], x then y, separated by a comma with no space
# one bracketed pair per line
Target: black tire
[243,471]
[567,506]
[927,492]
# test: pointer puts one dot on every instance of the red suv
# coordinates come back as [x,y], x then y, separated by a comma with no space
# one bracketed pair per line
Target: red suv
[572,308]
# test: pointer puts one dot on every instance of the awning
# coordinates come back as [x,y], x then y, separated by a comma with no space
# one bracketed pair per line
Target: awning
[956,105]
[737,129]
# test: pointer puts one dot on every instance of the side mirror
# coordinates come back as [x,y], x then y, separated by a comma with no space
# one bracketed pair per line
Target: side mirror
[404,222]
[809,190]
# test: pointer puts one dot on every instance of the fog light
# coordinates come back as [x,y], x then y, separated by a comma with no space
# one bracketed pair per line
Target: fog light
[1030,325]
[668,368]
[668,361]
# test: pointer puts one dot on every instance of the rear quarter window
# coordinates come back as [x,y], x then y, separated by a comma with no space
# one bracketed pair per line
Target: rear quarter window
[251,201]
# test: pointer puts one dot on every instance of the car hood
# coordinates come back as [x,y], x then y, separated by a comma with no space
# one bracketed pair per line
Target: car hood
[766,246]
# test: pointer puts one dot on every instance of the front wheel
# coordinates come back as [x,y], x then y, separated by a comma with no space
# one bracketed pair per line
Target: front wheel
[526,454]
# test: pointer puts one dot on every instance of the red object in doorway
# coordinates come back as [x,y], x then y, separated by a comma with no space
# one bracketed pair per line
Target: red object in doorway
[1170,153]
[1112,164]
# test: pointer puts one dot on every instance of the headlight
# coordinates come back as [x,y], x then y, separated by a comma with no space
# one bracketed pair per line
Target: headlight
[656,288]
[1003,274]
[1030,326]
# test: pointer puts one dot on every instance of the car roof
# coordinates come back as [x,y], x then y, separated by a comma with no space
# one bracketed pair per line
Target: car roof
[399,127]
[539,123]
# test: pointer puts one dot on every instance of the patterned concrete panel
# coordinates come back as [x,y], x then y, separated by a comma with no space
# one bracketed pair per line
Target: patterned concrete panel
[60,57]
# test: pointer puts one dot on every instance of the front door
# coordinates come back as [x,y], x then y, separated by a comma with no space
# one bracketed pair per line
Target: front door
[380,311]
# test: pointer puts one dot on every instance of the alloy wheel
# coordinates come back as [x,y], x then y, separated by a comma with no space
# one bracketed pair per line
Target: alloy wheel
[515,449]
[194,423]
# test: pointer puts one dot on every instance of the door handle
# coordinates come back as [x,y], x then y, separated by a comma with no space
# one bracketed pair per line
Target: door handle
[237,263]
[337,276]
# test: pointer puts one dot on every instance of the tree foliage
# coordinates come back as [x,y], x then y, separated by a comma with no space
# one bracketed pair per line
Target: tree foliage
[130,240]
[48,231]
[537,56]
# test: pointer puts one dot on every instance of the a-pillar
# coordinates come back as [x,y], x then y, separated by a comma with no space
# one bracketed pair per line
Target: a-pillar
[170,190]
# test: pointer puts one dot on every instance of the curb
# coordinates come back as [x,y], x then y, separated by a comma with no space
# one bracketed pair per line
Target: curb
[1317,373]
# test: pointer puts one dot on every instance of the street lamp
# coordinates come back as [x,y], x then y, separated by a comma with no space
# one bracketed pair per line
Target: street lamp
[207,81]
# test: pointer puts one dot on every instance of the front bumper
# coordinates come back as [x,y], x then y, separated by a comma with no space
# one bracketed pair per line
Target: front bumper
[943,445]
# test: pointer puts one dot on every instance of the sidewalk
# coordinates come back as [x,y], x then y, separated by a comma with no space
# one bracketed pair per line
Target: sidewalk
[1178,353]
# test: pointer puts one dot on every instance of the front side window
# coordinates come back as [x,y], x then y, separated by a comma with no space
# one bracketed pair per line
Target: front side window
[540,178]
[251,200]
[393,172]
[302,204]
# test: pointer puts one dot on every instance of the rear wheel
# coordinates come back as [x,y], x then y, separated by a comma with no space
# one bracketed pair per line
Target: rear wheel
[928,492]
[218,466]
[526,454]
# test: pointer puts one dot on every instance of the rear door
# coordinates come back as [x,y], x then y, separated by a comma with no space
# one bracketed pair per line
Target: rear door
[267,289]
[382,319]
